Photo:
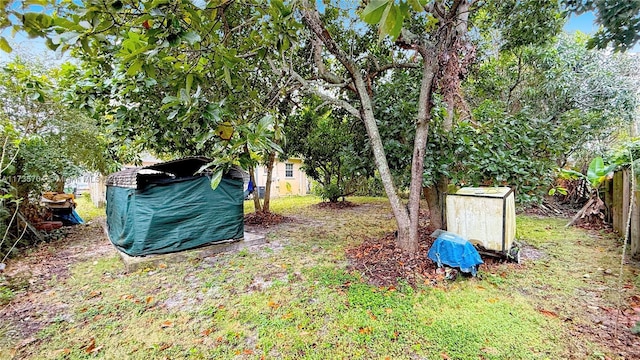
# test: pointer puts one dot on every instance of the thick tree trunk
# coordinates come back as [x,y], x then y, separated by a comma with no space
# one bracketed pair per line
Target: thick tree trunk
[256,193]
[406,217]
[267,189]
[436,196]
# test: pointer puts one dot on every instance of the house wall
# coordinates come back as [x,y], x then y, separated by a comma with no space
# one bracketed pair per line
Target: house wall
[281,184]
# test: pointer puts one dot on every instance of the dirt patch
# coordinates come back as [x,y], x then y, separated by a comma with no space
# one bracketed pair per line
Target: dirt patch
[54,259]
[622,342]
[595,223]
[609,325]
[264,219]
[339,205]
[384,263]
[47,265]
[529,253]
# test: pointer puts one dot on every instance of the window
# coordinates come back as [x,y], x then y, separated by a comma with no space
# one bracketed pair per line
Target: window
[288,170]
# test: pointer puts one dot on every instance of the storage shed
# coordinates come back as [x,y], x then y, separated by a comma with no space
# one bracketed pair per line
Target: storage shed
[170,207]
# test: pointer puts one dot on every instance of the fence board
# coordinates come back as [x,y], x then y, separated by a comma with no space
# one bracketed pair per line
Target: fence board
[98,191]
[616,205]
[634,247]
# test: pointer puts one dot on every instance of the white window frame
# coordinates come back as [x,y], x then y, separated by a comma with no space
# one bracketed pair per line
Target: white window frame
[286,170]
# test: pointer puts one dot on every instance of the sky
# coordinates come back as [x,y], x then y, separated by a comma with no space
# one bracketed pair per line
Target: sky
[23,46]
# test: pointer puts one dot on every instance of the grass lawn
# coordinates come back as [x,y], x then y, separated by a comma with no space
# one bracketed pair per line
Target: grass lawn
[295,298]
[86,209]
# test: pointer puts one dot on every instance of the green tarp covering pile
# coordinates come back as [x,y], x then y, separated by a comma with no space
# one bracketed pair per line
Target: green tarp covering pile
[164,215]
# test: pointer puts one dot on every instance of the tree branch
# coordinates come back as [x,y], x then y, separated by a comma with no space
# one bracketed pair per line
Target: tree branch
[311,18]
[324,96]
[322,69]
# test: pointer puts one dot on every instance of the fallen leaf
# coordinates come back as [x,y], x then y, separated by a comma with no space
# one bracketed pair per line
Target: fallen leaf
[247,351]
[162,266]
[92,345]
[479,287]
[149,299]
[61,352]
[167,323]
[493,300]
[96,349]
[94,293]
[388,311]
[206,332]
[273,304]
[164,346]
[548,313]
[371,315]
[287,316]
[365,330]
[444,356]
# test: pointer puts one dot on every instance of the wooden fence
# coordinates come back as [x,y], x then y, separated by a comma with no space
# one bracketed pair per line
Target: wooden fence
[98,191]
[617,195]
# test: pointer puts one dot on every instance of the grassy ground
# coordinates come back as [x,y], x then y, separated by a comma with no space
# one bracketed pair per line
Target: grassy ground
[295,298]
[86,209]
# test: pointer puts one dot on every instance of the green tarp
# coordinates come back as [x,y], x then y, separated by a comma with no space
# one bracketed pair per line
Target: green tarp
[174,215]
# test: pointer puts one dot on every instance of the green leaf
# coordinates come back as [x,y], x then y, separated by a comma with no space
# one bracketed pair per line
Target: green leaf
[597,172]
[191,37]
[189,83]
[4,45]
[595,168]
[134,68]
[215,179]
[552,192]
[415,4]
[227,76]
[374,11]
[391,21]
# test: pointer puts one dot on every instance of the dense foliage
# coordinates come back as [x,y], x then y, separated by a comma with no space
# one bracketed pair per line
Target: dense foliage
[334,149]
[526,112]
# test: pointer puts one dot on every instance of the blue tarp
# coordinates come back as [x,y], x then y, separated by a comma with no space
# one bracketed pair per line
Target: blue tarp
[454,251]
[70,219]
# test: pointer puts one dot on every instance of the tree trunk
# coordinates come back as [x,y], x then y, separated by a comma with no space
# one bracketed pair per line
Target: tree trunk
[435,196]
[267,189]
[406,217]
[59,185]
[256,193]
